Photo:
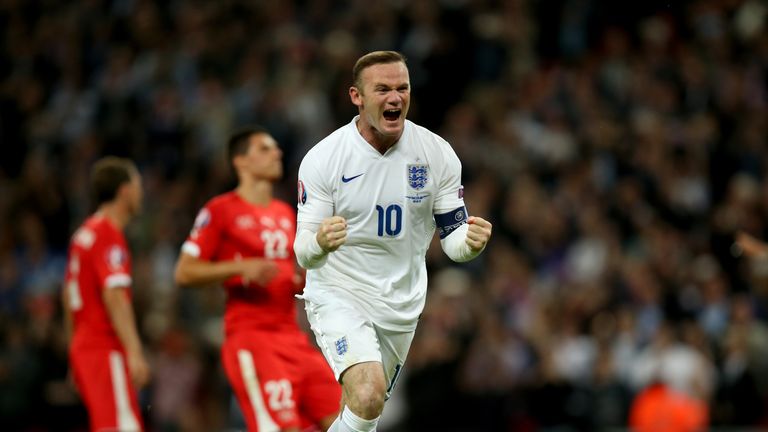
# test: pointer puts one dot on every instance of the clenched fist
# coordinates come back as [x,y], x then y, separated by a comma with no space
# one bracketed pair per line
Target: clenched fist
[332,233]
[479,233]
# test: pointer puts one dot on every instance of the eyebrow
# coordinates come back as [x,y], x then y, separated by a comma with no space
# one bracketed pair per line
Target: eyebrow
[399,86]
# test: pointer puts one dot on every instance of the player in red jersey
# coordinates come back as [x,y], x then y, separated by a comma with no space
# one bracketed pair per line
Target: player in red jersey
[244,239]
[105,352]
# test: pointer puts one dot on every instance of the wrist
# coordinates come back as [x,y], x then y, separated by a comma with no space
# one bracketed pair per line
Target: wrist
[315,248]
[133,348]
[309,253]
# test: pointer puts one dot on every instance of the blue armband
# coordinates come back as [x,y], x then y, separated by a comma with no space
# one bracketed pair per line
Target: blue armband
[448,222]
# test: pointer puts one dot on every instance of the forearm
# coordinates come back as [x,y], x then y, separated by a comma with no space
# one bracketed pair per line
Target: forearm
[455,245]
[67,312]
[309,254]
[194,271]
[121,315]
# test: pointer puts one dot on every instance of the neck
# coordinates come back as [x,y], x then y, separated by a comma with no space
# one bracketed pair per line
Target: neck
[258,192]
[115,214]
[376,139]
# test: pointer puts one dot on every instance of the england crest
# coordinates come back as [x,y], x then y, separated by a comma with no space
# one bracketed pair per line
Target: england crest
[418,175]
[342,346]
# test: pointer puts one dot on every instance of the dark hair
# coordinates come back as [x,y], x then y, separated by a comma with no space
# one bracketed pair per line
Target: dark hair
[238,141]
[374,58]
[107,175]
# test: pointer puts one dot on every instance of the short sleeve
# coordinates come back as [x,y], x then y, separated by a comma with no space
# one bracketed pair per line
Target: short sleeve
[112,263]
[315,194]
[204,238]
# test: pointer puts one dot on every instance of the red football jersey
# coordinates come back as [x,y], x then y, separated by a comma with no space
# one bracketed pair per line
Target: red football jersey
[230,228]
[98,259]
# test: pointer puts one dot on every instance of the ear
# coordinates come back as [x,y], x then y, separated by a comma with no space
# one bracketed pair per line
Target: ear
[356,96]
[236,162]
[124,189]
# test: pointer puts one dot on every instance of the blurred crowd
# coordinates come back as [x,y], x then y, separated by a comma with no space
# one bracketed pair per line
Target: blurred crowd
[616,147]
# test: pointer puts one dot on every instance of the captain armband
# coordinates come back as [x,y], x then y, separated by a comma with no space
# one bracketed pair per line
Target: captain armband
[453,230]
[449,222]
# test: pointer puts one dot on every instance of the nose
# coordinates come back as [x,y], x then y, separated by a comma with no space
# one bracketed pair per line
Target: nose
[394,97]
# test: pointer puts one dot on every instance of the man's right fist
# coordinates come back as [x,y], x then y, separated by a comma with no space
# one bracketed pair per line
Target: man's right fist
[138,369]
[332,233]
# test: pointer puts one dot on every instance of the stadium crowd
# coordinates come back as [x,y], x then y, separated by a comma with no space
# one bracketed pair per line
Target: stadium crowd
[616,147]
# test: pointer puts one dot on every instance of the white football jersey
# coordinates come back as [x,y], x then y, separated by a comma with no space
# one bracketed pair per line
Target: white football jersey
[388,201]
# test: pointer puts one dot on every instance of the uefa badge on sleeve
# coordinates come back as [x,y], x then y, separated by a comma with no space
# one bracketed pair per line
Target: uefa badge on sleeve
[202,220]
[302,193]
[116,257]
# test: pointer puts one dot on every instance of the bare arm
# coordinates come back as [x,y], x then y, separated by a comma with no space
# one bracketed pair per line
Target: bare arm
[65,308]
[121,314]
[194,271]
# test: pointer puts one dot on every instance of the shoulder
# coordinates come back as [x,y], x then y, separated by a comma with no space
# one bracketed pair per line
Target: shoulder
[427,138]
[103,229]
[329,146]
[220,202]
[215,210]
[435,146]
[98,233]
[282,206]
[85,235]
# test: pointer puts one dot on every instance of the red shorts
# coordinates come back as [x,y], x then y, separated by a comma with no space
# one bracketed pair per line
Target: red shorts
[102,378]
[280,380]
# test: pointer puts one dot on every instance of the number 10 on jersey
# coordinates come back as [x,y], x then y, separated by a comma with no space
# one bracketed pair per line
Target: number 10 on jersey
[390,220]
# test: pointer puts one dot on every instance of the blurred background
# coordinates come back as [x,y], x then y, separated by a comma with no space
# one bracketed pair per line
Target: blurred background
[616,147]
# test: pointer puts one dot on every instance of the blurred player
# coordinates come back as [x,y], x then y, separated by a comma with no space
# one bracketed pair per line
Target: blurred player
[370,196]
[105,351]
[660,408]
[244,239]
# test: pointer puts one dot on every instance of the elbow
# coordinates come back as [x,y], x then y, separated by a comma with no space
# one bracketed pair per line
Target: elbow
[302,263]
[309,262]
[306,263]
[180,277]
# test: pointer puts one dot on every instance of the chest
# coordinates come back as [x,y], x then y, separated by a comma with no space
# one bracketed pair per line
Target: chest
[404,185]
[256,233]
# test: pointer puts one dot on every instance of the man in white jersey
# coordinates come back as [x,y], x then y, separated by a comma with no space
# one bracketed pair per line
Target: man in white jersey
[370,197]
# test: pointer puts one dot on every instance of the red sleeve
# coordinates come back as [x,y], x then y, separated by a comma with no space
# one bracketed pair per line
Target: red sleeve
[111,261]
[204,239]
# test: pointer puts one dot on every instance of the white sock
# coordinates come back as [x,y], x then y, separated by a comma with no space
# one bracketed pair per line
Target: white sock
[350,422]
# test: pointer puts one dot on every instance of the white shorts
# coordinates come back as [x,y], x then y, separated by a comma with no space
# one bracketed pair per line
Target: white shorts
[346,337]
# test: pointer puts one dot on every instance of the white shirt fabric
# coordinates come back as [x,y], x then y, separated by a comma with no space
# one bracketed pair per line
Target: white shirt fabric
[388,201]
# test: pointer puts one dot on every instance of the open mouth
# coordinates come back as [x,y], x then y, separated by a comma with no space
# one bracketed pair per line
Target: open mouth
[392,114]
